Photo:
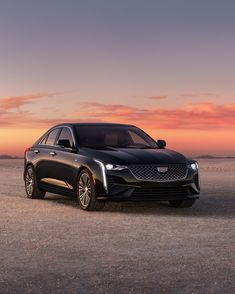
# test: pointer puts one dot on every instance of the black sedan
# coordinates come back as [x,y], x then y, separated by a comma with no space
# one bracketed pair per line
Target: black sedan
[99,161]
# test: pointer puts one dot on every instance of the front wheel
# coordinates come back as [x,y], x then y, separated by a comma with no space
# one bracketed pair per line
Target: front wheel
[182,203]
[31,186]
[86,192]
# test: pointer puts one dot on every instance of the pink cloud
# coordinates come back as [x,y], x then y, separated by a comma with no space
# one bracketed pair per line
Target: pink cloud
[192,116]
[197,116]
[160,97]
[13,102]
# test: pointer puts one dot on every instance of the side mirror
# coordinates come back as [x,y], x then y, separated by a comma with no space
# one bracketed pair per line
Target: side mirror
[161,144]
[64,143]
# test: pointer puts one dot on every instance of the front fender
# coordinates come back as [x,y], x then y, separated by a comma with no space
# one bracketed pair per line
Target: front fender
[97,171]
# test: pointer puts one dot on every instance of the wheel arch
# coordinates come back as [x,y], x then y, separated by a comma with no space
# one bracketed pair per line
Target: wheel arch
[83,167]
[26,166]
[94,171]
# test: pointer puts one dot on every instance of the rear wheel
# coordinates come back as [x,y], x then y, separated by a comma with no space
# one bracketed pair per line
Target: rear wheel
[86,192]
[31,186]
[182,203]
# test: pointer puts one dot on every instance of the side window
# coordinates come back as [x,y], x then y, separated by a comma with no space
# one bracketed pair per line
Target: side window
[136,138]
[44,140]
[66,135]
[51,137]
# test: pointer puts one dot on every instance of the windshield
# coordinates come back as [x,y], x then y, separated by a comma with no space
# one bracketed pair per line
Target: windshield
[100,136]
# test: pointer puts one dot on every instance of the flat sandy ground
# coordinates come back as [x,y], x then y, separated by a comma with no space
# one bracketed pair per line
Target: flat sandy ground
[51,246]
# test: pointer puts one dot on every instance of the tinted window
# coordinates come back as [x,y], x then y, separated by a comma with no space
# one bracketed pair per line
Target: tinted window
[136,138]
[44,140]
[98,136]
[66,135]
[52,136]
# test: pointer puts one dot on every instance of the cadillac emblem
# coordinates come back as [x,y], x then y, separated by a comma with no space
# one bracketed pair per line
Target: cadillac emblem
[162,169]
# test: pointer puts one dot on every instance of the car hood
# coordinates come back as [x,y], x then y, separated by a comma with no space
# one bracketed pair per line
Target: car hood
[127,156]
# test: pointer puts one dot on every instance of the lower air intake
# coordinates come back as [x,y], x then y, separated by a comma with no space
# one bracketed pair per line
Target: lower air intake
[160,193]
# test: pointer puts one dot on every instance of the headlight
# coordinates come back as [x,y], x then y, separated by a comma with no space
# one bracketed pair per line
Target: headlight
[110,166]
[193,166]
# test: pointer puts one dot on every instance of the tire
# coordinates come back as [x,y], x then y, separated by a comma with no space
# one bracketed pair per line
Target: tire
[31,186]
[182,203]
[86,192]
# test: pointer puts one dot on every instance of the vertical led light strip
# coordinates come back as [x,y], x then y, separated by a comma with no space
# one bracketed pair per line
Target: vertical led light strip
[102,167]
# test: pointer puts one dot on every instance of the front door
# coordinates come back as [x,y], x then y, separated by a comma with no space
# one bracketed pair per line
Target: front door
[61,165]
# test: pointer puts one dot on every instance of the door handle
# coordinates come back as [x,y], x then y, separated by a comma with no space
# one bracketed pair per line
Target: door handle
[36,151]
[53,153]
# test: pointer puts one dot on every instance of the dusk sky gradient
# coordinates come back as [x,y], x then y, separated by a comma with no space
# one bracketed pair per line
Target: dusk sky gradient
[166,66]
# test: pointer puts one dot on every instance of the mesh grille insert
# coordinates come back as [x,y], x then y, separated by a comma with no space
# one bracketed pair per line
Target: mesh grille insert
[160,193]
[159,173]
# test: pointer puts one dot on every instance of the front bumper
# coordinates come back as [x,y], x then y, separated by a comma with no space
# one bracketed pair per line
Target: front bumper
[122,185]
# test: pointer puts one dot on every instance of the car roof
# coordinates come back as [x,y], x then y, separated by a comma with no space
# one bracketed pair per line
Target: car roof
[93,124]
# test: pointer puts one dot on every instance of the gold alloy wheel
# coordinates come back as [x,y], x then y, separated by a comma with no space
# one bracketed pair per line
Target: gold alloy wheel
[84,189]
[29,181]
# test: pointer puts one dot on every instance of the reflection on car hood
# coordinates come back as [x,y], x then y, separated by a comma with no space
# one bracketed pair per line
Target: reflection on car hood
[127,156]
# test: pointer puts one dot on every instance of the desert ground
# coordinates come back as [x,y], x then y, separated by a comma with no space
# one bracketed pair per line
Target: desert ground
[51,246]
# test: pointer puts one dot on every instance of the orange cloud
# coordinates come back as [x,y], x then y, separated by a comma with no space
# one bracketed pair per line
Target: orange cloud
[11,114]
[198,116]
[185,128]
[8,103]
[192,116]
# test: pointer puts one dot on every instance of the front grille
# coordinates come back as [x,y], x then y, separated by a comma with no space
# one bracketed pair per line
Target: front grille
[150,172]
[160,193]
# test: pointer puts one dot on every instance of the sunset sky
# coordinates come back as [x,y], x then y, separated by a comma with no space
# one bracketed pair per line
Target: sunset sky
[166,66]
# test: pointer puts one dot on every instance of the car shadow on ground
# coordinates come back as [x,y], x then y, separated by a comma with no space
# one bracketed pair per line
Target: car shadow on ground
[209,206]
